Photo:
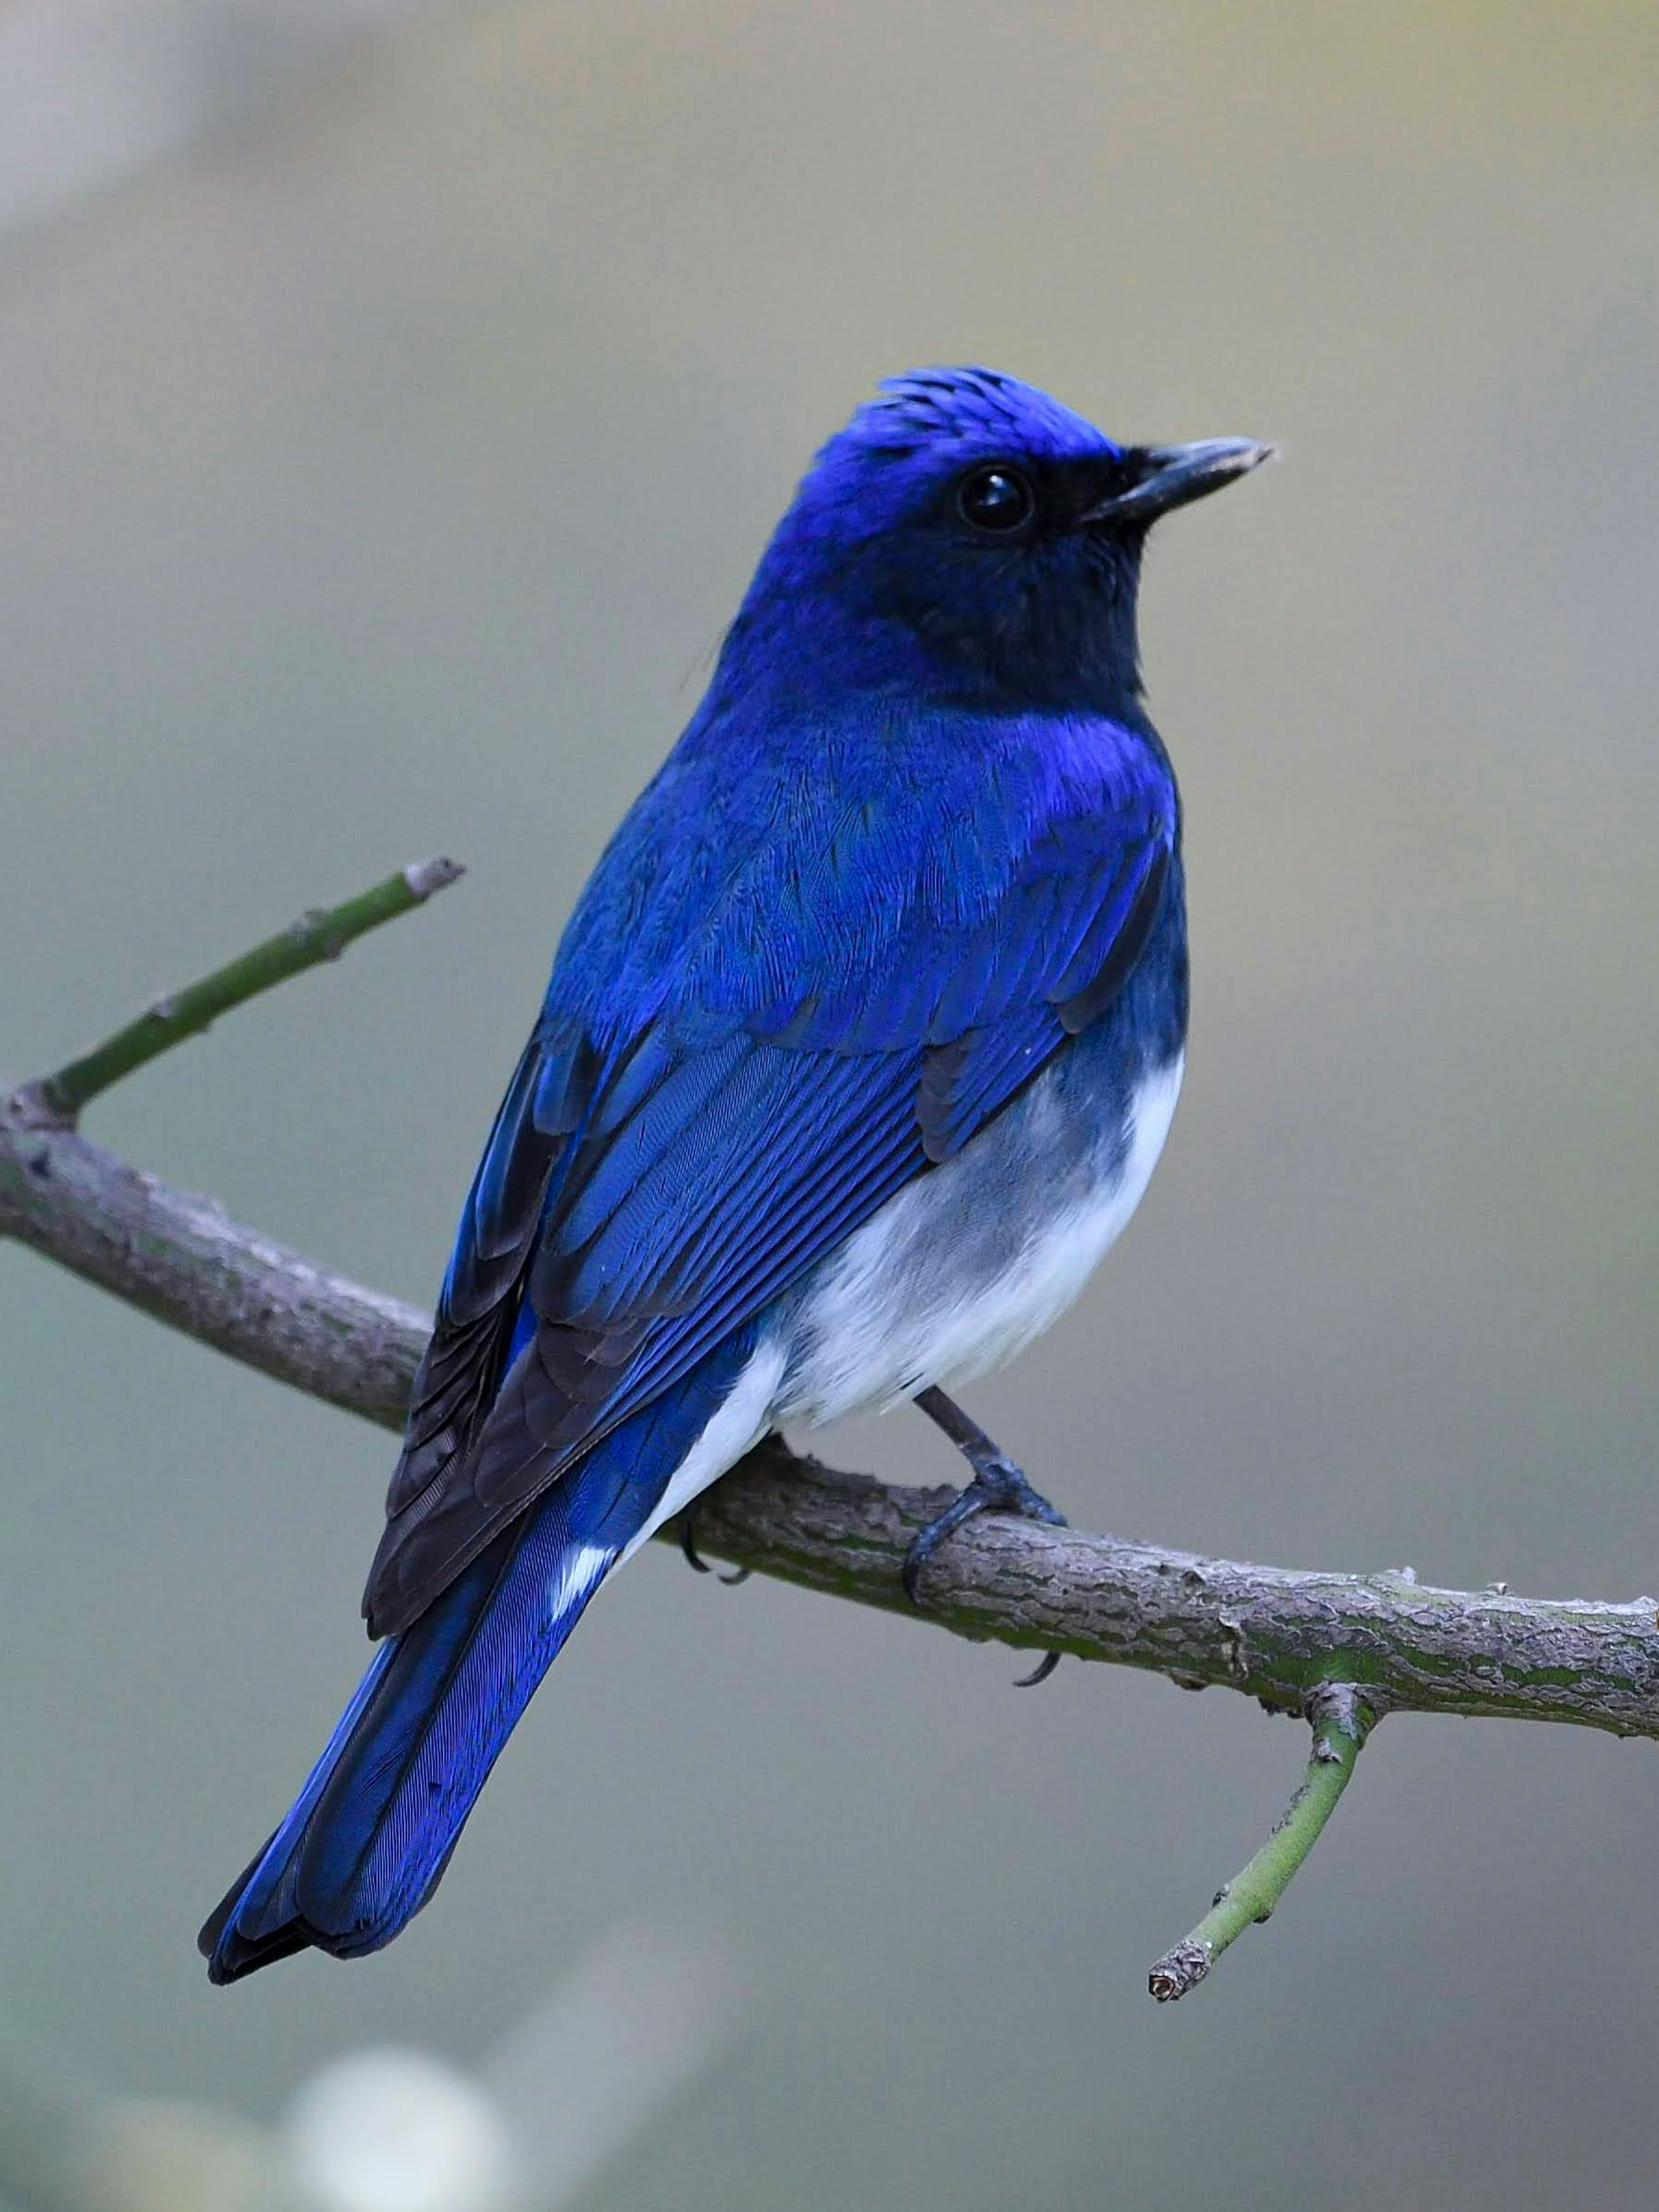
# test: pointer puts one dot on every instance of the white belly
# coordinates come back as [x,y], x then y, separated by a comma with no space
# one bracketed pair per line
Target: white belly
[892,1314]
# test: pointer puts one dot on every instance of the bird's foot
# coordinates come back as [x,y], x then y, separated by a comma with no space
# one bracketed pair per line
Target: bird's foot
[693,1557]
[998,1486]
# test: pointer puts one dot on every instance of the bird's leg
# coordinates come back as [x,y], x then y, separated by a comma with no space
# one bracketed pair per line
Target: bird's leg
[998,1486]
[693,1557]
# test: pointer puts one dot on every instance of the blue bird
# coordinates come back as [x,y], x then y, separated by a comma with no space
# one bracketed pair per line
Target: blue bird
[858,1051]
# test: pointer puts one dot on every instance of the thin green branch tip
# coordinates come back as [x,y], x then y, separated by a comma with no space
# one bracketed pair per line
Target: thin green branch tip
[1341,1721]
[58,1100]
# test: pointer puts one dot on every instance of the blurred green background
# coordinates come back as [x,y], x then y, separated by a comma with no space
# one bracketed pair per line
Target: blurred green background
[378,463]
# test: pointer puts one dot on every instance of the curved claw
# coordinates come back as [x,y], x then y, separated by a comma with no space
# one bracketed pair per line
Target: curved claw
[1040,1673]
[693,1559]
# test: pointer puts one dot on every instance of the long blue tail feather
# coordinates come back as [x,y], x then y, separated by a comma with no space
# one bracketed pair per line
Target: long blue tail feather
[367,1839]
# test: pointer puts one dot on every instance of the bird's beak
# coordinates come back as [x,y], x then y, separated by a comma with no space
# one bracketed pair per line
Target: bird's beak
[1173,475]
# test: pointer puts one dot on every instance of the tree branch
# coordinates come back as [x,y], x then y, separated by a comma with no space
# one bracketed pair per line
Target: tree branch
[1340,1649]
[323,934]
[1272,1632]
[1341,1721]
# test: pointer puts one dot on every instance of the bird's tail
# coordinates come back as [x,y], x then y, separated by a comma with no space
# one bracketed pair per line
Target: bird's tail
[369,1835]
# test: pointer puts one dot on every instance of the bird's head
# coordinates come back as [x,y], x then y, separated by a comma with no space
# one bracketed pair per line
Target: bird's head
[967,528]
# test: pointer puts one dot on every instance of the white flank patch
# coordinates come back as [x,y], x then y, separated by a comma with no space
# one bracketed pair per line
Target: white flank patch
[874,1340]
[743,1417]
[578,1572]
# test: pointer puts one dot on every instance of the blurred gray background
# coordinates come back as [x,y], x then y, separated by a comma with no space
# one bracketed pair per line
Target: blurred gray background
[382,451]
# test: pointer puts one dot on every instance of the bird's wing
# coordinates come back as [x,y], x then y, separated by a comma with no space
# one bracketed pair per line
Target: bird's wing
[765,1019]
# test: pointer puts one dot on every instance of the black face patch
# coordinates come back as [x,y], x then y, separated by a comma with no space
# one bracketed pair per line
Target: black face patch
[1004,501]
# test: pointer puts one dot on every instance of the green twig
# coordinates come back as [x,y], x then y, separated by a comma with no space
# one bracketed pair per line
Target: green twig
[1340,1724]
[322,934]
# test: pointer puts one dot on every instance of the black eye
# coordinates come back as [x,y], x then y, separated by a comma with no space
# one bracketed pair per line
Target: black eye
[998,501]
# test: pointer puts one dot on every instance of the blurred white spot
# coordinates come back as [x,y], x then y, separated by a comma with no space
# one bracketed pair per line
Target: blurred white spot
[393,2131]
[618,2035]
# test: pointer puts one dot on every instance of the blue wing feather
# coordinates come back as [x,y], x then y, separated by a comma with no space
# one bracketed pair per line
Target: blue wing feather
[780,1000]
